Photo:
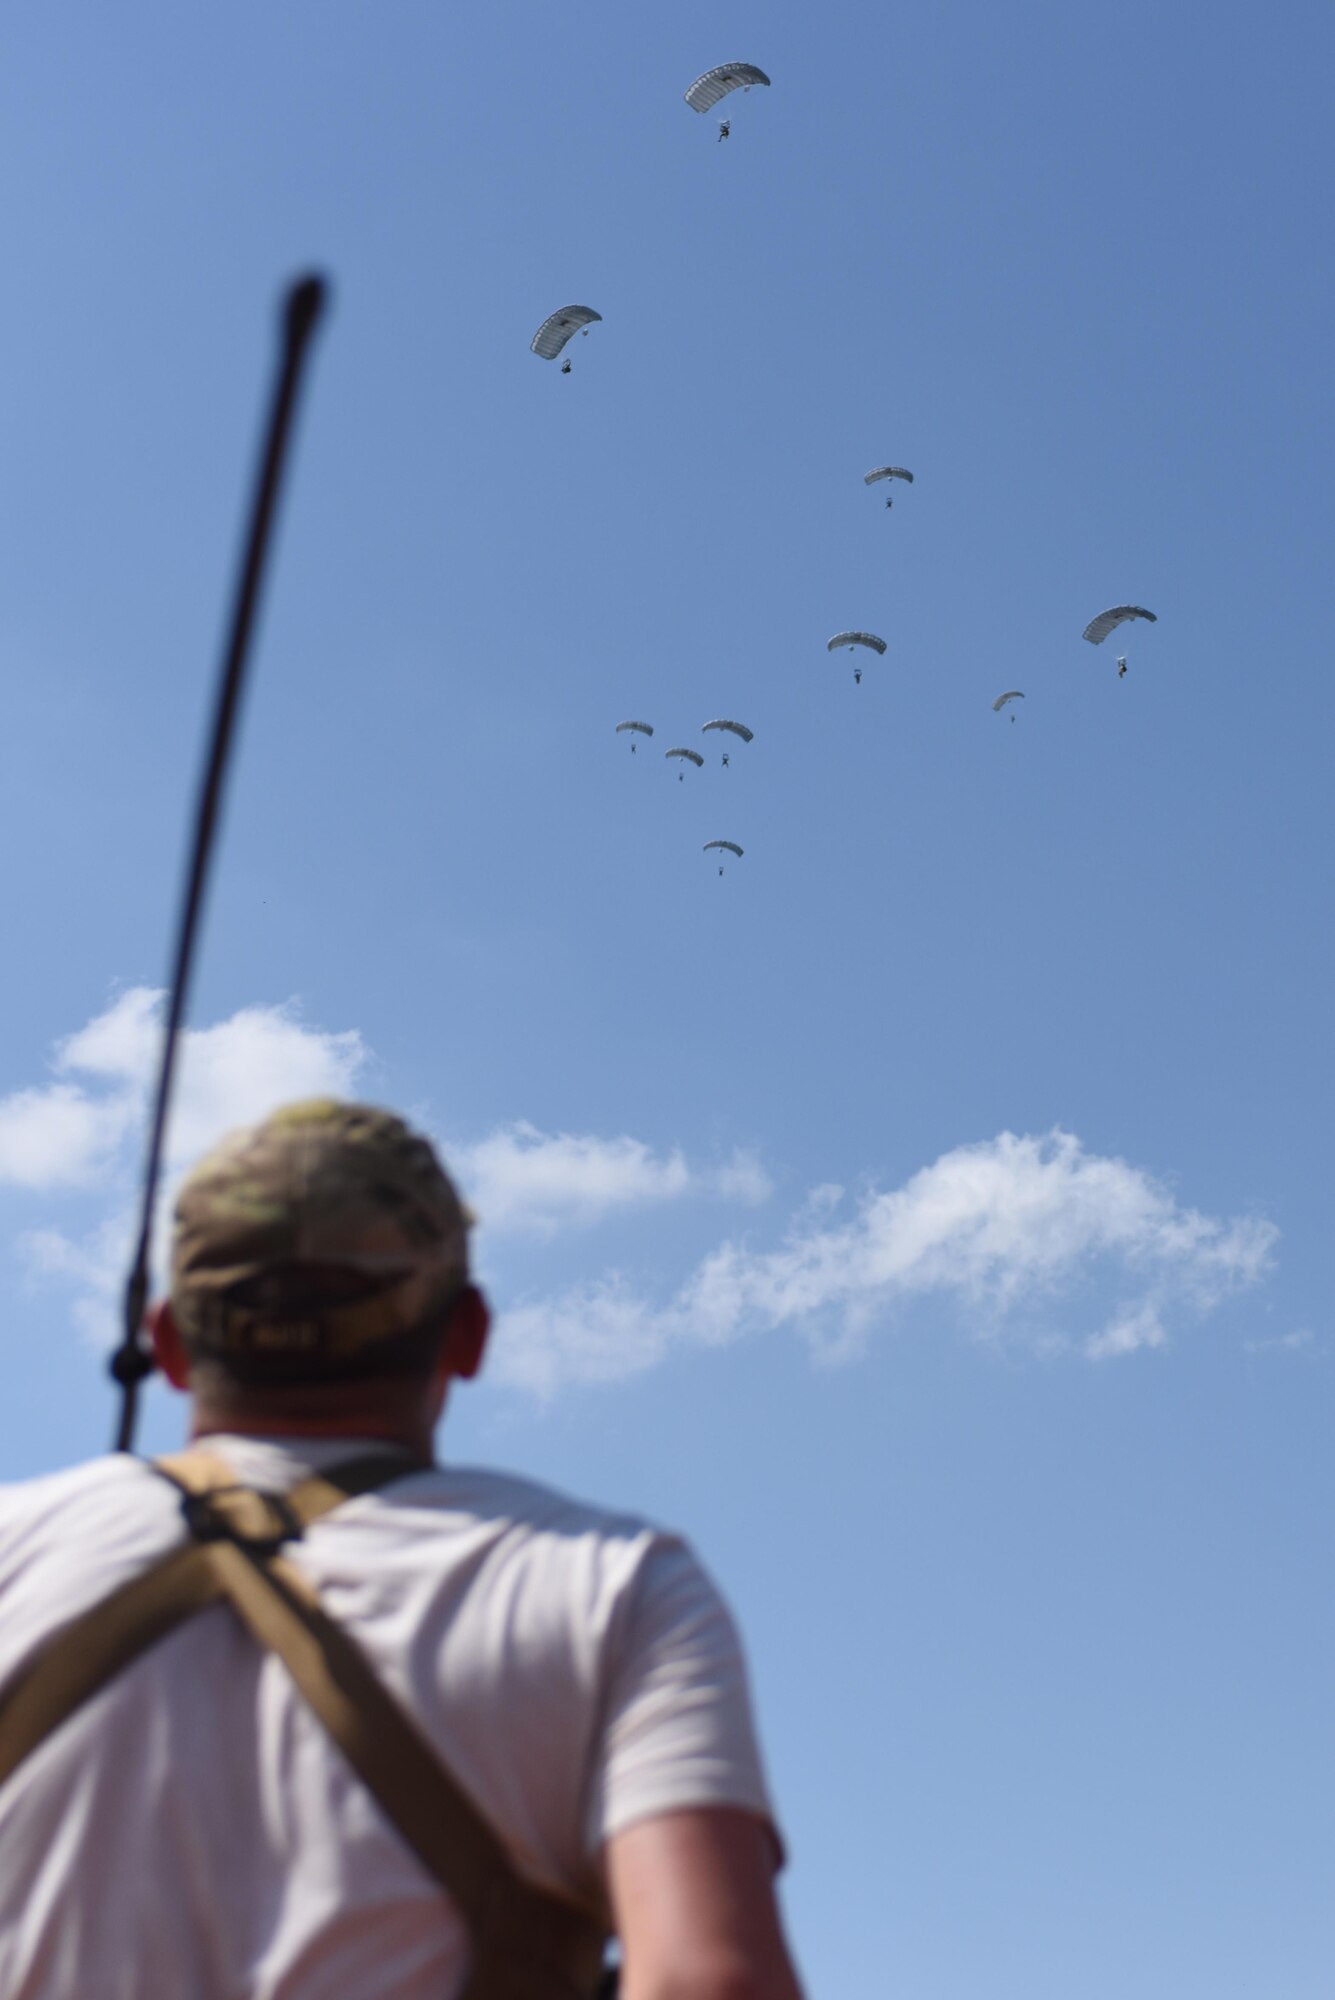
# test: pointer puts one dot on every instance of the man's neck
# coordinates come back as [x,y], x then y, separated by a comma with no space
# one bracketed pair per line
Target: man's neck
[414,1439]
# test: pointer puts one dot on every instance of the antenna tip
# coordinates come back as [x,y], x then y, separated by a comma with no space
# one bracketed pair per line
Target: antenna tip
[305,301]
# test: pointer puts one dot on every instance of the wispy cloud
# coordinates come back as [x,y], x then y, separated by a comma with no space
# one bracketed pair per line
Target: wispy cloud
[522,1180]
[1013,1231]
[1301,1340]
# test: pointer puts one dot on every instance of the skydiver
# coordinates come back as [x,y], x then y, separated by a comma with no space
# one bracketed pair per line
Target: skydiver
[889,503]
[857,676]
[1121,667]
[725,127]
[725,760]
[565,367]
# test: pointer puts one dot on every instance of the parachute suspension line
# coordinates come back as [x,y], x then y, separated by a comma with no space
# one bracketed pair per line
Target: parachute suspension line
[131,1364]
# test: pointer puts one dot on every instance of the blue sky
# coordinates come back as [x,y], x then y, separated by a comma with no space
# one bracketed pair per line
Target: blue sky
[930,1216]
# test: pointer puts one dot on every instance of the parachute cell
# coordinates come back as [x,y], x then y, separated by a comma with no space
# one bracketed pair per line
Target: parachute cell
[1098,628]
[707,90]
[886,472]
[1013,694]
[560,327]
[737,728]
[855,639]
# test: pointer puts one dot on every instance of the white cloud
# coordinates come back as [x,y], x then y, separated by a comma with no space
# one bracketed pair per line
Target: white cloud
[524,1181]
[58,1136]
[120,1044]
[93,1268]
[1283,1343]
[1137,1327]
[743,1179]
[602,1332]
[1007,1226]
[246,1066]
[74,1131]
[1019,1235]
[85,1130]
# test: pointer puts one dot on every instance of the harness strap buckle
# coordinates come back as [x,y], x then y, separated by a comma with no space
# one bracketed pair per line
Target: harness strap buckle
[255,1519]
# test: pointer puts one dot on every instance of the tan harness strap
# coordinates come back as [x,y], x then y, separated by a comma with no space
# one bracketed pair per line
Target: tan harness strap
[87,1654]
[527,1942]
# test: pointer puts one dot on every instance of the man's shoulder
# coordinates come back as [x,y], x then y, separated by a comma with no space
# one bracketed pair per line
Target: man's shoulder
[501,1494]
[74,1489]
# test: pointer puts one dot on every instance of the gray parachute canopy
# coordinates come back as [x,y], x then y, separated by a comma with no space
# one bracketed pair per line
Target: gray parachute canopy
[1098,628]
[886,472]
[706,91]
[1014,694]
[737,728]
[856,639]
[694,755]
[645,728]
[554,332]
[731,846]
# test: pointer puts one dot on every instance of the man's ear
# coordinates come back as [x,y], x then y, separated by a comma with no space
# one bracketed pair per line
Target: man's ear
[168,1347]
[466,1334]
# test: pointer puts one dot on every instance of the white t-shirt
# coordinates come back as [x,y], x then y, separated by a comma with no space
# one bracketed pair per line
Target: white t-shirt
[192,1831]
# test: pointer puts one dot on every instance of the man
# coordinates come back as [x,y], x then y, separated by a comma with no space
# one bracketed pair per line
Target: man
[192,1829]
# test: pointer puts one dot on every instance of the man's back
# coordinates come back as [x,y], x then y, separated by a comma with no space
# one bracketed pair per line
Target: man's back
[194,1831]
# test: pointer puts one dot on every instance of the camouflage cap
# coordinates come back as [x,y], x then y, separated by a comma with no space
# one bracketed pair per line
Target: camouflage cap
[315,1235]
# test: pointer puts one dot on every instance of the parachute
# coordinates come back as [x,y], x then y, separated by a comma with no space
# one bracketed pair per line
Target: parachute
[855,639]
[556,330]
[694,756]
[1098,628]
[886,472]
[706,91]
[737,728]
[645,728]
[1014,694]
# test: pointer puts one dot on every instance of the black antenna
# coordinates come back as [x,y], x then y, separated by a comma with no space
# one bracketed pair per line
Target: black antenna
[132,1363]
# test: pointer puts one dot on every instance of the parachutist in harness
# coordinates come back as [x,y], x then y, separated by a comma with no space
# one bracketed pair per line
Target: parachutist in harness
[1121,668]
[889,503]
[725,760]
[857,676]
[565,367]
[725,127]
